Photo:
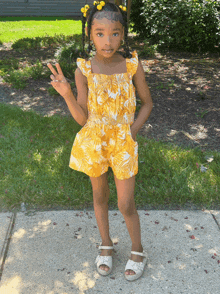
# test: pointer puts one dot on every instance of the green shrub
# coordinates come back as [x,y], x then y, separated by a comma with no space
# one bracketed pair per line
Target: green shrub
[7,64]
[189,25]
[69,51]
[16,78]
[44,41]
[147,50]
[36,71]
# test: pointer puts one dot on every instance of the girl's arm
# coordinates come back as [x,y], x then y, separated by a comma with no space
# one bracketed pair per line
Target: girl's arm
[78,108]
[145,96]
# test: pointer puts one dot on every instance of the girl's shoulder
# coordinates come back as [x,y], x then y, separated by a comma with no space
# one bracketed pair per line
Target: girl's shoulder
[132,63]
[84,65]
[133,54]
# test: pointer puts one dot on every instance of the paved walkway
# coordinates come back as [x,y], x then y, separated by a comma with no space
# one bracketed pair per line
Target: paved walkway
[53,252]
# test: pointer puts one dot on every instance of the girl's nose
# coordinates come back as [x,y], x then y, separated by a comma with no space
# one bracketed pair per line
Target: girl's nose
[107,40]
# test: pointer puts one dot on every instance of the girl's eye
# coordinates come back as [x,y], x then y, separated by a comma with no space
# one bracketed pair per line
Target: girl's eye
[114,34]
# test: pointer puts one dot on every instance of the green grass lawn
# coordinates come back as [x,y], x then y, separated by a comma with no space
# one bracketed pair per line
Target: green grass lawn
[35,152]
[34,159]
[13,28]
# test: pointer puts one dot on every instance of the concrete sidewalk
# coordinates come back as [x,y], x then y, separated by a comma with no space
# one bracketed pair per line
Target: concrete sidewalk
[53,252]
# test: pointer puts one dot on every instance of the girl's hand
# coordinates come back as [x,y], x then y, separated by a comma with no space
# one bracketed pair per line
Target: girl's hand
[59,82]
[133,135]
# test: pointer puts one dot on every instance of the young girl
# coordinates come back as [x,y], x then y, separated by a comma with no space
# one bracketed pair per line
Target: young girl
[105,107]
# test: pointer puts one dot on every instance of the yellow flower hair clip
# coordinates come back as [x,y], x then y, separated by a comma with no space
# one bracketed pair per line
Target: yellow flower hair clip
[85,9]
[123,7]
[99,4]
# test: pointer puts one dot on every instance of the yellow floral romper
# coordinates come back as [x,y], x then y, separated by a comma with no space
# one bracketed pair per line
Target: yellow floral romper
[105,140]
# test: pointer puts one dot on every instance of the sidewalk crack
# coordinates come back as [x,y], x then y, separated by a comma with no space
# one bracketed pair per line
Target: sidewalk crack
[216,221]
[6,243]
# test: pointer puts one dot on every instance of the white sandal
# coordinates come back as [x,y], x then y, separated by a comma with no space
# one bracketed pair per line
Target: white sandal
[104,260]
[137,267]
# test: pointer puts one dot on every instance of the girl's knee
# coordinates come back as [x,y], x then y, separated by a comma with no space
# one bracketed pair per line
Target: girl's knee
[100,198]
[126,207]
[100,189]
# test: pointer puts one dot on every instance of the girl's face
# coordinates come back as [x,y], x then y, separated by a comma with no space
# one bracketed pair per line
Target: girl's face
[107,32]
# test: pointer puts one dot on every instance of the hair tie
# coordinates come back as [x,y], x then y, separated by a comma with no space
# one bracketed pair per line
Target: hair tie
[123,7]
[98,4]
[85,9]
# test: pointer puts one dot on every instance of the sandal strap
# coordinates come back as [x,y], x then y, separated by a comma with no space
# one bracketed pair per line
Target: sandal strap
[106,260]
[137,267]
[138,253]
[106,247]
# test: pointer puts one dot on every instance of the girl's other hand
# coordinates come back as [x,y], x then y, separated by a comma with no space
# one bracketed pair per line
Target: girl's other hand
[133,134]
[59,82]
[134,137]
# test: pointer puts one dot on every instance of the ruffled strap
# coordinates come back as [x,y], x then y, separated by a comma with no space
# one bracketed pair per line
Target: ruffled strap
[132,63]
[84,66]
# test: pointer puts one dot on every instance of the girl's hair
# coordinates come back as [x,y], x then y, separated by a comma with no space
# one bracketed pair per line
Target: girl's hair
[108,7]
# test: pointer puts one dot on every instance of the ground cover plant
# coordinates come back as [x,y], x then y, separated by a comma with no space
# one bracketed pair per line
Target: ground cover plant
[179,159]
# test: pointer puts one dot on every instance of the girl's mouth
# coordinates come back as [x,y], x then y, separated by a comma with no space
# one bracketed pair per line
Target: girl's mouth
[108,51]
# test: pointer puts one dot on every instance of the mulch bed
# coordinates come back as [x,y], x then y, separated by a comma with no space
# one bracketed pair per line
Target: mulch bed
[184,87]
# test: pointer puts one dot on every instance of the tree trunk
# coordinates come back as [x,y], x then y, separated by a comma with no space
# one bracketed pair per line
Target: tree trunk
[128,9]
[118,2]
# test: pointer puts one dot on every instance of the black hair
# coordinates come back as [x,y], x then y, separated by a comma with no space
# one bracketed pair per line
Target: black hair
[108,7]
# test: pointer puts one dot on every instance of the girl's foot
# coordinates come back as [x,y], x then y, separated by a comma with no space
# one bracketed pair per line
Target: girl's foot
[106,252]
[136,258]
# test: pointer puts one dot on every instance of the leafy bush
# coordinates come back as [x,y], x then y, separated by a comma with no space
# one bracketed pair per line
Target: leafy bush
[16,78]
[190,25]
[147,49]
[44,41]
[7,64]
[36,71]
[69,51]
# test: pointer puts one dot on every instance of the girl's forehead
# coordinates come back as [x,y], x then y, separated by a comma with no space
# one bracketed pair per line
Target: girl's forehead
[111,16]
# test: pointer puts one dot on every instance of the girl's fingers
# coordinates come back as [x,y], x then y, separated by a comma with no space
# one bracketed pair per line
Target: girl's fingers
[53,78]
[52,69]
[59,69]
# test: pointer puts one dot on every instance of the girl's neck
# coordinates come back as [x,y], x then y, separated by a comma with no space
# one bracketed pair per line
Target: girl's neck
[106,61]
[116,66]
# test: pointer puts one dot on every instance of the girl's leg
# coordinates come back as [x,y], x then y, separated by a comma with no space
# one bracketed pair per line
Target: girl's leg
[126,205]
[100,200]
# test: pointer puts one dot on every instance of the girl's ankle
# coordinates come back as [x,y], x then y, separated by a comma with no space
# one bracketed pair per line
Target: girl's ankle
[137,248]
[107,243]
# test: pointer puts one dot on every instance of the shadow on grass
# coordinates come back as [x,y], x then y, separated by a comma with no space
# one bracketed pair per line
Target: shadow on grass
[35,155]
[34,159]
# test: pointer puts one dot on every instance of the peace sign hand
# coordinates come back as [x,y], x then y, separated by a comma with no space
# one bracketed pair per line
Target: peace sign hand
[59,82]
